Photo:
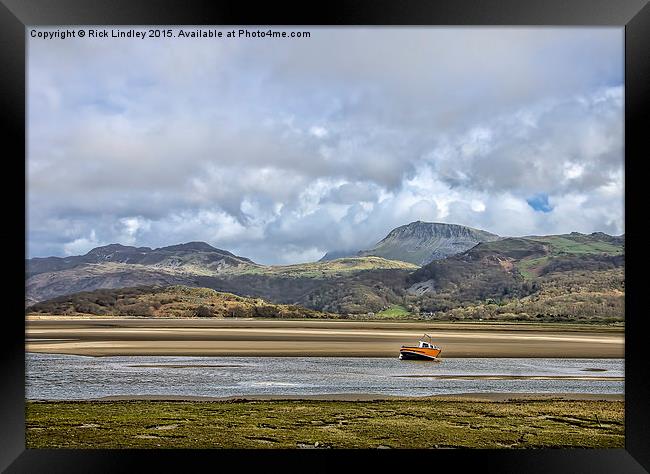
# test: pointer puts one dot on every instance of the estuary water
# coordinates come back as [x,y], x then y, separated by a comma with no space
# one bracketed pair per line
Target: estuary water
[69,377]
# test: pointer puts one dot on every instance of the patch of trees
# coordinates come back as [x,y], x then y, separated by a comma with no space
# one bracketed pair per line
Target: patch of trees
[459,282]
[175,301]
[589,262]
[100,302]
[515,248]
[369,290]
[579,296]
[203,311]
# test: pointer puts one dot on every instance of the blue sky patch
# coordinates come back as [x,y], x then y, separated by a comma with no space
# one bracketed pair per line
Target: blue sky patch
[539,202]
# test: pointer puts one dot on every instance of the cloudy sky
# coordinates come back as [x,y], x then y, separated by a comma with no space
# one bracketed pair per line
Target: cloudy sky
[282,149]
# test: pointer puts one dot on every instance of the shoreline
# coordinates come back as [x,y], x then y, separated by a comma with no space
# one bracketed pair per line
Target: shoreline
[366,355]
[351,397]
[315,338]
[486,325]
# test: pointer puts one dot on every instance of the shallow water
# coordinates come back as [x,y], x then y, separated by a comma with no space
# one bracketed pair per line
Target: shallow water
[67,377]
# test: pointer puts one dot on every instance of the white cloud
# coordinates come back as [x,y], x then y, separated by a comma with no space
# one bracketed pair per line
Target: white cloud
[319,132]
[131,227]
[477,205]
[573,170]
[81,245]
[283,152]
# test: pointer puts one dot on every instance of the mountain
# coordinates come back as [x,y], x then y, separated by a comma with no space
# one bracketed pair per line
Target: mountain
[551,277]
[190,264]
[521,259]
[89,277]
[174,256]
[117,266]
[569,277]
[422,242]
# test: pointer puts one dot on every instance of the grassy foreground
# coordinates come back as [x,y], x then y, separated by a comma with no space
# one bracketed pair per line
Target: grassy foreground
[422,423]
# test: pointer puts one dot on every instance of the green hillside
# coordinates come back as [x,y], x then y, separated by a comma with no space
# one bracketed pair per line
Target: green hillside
[570,277]
[573,277]
[173,301]
[326,269]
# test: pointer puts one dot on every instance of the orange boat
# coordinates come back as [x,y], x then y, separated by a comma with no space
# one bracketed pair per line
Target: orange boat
[424,351]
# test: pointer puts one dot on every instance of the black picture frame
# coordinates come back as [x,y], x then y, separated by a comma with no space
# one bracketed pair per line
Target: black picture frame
[16,15]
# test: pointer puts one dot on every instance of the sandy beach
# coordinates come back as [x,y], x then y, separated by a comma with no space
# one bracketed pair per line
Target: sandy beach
[238,337]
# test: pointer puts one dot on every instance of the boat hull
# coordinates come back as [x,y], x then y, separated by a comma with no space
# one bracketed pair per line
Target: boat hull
[418,353]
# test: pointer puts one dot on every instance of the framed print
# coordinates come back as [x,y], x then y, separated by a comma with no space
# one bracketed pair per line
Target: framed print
[255,235]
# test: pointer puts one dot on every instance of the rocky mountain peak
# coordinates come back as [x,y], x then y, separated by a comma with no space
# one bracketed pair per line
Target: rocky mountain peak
[426,230]
[422,242]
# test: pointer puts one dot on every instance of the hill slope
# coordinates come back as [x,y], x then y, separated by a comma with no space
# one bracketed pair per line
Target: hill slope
[119,266]
[572,275]
[191,255]
[558,277]
[171,301]
[336,254]
[194,264]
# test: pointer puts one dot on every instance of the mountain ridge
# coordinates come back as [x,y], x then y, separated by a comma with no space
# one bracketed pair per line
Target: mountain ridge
[504,270]
[569,277]
[173,256]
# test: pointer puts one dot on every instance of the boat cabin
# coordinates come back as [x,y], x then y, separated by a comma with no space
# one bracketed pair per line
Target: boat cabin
[427,345]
